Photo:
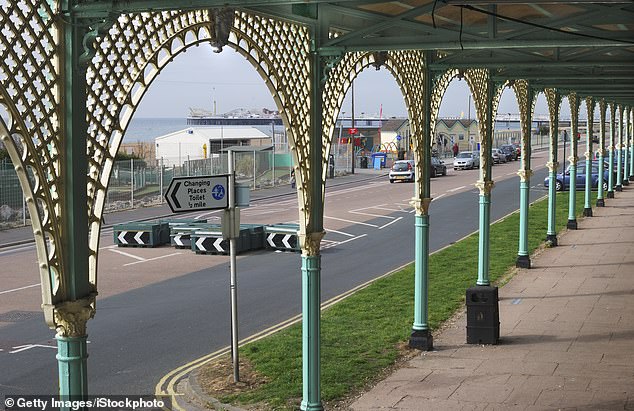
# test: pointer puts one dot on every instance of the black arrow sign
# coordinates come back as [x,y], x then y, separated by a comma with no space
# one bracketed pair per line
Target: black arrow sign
[174,199]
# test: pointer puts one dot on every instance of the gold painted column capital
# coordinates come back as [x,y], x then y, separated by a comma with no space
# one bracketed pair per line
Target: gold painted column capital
[525,175]
[71,316]
[552,166]
[421,205]
[573,160]
[601,152]
[310,243]
[485,187]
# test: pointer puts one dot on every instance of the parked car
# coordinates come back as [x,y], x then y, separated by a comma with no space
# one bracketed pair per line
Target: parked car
[518,149]
[402,170]
[510,151]
[562,181]
[498,156]
[466,159]
[437,167]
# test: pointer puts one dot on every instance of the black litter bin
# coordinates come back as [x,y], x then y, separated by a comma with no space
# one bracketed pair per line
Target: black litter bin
[483,316]
[364,162]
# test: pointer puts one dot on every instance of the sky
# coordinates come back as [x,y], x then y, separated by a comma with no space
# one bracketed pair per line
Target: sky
[198,76]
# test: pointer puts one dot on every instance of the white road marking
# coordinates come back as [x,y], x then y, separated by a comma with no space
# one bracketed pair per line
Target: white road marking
[136,257]
[20,288]
[439,197]
[25,347]
[391,209]
[456,189]
[510,174]
[350,221]
[151,259]
[370,214]
[336,243]
[390,223]
[339,232]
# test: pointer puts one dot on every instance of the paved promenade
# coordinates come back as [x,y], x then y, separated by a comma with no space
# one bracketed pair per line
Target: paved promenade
[566,334]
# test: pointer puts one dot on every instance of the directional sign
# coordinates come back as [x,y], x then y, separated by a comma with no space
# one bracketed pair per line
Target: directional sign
[353,131]
[198,193]
[282,241]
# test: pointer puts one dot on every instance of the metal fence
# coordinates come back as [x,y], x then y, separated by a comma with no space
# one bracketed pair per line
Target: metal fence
[13,211]
[134,183]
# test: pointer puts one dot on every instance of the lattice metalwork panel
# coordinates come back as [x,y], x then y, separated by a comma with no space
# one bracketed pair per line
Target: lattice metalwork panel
[612,108]
[478,81]
[602,108]
[137,46]
[574,102]
[590,126]
[439,87]
[553,99]
[526,103]
[30,93]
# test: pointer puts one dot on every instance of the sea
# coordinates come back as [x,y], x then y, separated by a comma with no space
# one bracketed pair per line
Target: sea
[147,129]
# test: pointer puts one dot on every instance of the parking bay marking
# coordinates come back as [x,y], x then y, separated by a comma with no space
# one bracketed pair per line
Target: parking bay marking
[350,221]
[151,259]
[127,254]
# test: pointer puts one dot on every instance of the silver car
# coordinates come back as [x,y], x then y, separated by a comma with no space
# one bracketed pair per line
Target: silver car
[402,170]
[497,156]
[466,159]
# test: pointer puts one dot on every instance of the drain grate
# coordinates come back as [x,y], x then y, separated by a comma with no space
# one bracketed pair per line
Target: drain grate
[17,316]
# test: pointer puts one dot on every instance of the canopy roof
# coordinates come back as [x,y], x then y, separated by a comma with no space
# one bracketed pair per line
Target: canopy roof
[583,46]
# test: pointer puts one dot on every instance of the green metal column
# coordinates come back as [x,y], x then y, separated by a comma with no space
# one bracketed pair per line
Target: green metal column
[525,97]
[554,100]
[78,306]
[485,184]
[619,151]
[72,354]
[421,336]
[611,158]
[311,332]
[587,209]
[314,231]
[484,238]
[574,129]
[600,199]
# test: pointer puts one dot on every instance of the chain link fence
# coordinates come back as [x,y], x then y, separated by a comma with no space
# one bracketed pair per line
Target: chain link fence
[13,211]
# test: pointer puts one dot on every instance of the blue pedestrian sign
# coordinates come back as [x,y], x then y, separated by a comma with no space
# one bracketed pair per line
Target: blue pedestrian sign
[198,193]
[218,192]
[398,137]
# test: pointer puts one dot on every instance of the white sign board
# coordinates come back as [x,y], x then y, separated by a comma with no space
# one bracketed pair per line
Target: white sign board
[198,193]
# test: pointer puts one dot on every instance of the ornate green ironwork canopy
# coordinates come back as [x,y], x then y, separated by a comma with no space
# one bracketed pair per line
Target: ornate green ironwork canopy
[581,46]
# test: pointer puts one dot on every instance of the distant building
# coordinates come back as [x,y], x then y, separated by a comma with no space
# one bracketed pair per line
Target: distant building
[200,142]
[237,117]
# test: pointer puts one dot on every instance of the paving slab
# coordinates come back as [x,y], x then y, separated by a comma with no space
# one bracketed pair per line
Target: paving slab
[566,333]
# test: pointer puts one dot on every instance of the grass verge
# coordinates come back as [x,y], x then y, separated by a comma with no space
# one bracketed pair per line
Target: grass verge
[362,334]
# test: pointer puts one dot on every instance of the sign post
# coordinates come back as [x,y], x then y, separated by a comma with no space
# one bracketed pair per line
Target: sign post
[214,193]
[233,233]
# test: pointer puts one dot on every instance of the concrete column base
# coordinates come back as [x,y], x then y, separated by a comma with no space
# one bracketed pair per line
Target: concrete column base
[610,194]
[587,212]
[619,188]
[600,202]
[625,182]
[631,178]
[421,340]
[523,261]
[572,224]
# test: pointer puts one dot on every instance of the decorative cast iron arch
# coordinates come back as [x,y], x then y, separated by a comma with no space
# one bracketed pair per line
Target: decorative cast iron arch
[30,93]
[267,45]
